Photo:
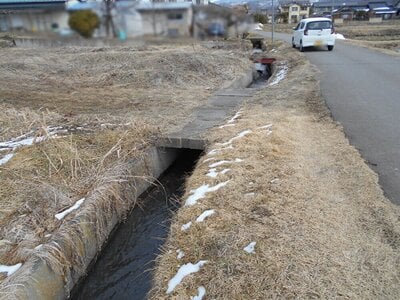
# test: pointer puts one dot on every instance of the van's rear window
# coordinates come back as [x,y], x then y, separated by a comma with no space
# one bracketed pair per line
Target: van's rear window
[319,25]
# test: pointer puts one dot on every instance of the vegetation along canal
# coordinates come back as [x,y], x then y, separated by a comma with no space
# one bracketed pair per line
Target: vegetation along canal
[123,268]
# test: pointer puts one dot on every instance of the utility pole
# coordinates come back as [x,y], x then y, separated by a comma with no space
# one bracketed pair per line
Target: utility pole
[273,23]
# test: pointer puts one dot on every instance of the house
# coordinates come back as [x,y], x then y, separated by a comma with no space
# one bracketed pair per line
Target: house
[33,15]
[354,10]
[295,10]
[381,9]
[324,8]
[166,18]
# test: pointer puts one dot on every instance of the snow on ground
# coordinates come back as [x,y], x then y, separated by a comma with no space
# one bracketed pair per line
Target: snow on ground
[6,158]
[280,75]
[268,126]
[201,293]
[186,226]
[215,151]
[233,119]
[38,247]
[227,125]
[9,270]
[339,36]
[240,135]
[249,194]
[250,247]
[27,140]
[180,254]
[184,271]
[62,214]
[225,162]
[213,172]
[209,159]
[200,192]
[205,215]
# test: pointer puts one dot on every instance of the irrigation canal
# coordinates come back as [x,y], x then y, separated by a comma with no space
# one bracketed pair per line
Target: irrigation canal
[123,268]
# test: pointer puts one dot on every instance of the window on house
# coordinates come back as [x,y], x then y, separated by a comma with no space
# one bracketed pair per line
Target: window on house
[295,8]
[175,16]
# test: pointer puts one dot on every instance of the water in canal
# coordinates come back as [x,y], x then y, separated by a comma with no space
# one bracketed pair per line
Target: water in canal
[123,269]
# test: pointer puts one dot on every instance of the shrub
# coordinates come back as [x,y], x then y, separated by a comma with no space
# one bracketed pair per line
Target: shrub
[260,18]
[84,22]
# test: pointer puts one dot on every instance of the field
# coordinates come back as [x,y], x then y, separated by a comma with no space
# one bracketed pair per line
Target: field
[72,118]
[279,206]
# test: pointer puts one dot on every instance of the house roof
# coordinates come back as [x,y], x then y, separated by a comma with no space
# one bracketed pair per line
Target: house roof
[29,4]
[285,3]
[163,6]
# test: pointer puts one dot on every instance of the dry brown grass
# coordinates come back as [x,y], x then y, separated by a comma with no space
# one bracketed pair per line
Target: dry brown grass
[51,176]
[322,226]
[112,101]
[383,37]
[149,82]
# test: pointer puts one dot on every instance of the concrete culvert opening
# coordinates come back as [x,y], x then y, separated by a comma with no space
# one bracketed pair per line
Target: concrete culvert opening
[123,269]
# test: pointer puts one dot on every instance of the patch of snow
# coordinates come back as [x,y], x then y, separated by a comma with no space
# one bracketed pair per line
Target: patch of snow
[209,159]
[215,151]
[274,180]
[233,119]
[224,171]
[240,135]
[265,126]
[251,183]
[280,75]
[6,158]
[180,254]
[47,235]
[38,247]
[226,125]
[201,293]
[339,36]
[224,162]
[205,215]
[10,269]
[213,172]
[249,194]
[250,247]
[186,226]
[62,214]
[202,191]
[184,271]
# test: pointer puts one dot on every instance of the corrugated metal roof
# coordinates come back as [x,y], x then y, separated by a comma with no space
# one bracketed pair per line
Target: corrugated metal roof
[29,1]
[164,6]
[11,5]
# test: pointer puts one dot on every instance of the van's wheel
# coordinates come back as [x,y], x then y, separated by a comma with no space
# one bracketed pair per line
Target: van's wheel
[293,45]
[301,48]
[330,48]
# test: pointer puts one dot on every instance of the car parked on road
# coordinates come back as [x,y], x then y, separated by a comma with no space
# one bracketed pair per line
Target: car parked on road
[314,32]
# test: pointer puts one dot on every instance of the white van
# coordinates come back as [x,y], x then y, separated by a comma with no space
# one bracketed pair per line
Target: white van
[312,32]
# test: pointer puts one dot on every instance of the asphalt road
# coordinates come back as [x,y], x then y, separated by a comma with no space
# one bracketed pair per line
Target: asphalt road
[362,90]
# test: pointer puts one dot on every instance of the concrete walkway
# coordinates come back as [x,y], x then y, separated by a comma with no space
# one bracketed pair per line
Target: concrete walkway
[221,106]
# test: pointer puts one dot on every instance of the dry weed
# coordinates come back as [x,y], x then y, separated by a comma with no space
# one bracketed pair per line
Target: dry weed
[322,227]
